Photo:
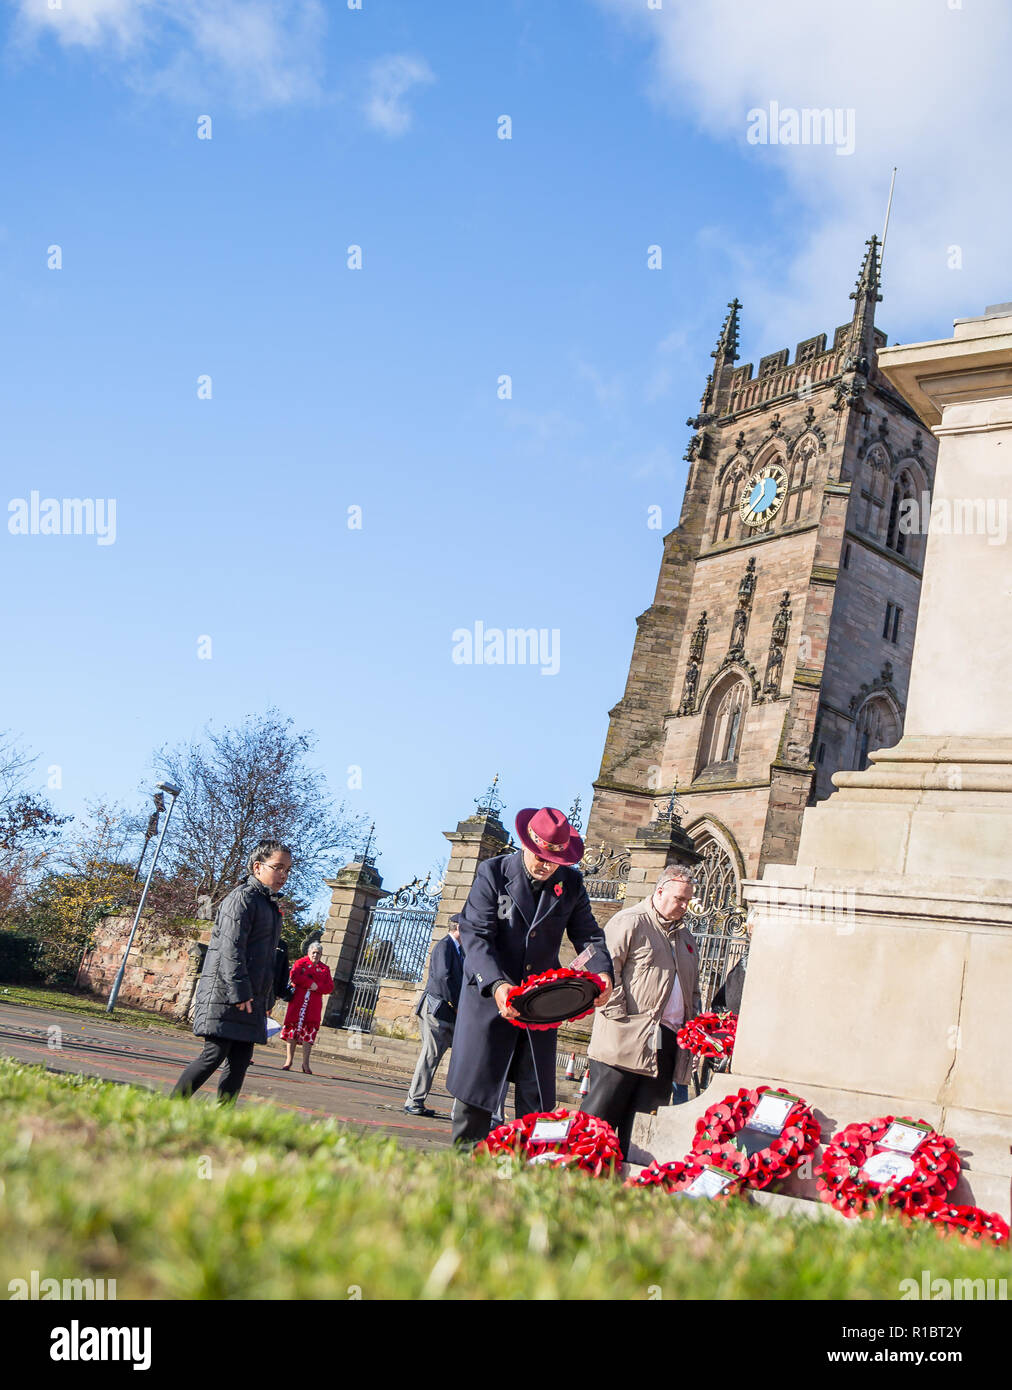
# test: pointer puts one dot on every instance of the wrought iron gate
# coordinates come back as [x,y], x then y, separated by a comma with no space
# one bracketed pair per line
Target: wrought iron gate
[394,947]
[716,918]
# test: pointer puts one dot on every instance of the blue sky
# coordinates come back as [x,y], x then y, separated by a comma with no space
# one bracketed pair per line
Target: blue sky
[376,388]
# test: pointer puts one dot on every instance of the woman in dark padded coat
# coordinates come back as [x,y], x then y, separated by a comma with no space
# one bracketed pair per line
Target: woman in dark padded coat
[236,987]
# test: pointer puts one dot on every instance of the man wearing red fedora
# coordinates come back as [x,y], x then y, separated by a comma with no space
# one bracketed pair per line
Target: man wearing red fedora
[511,928]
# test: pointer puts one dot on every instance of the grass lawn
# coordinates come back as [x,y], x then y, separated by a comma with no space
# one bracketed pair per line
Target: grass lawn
[177,1200]
[76,1001]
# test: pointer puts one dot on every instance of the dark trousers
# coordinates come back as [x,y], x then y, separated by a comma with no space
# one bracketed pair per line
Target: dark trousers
[617,1096]
[236,1057]
[471,1124]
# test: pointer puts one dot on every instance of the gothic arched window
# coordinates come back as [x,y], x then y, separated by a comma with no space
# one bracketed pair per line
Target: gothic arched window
[717,887]
[875,490]
[728,505]
[802,477]
[896,535]
[723,726]
[877,727]
[907,522]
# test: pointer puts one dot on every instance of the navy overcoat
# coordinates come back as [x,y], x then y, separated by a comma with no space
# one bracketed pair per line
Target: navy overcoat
[508,933]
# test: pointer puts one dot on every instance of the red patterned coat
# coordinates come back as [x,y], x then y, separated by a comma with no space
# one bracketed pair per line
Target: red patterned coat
[302,1017]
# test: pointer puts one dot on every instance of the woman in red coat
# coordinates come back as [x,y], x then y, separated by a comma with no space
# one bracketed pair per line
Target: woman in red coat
[312,980]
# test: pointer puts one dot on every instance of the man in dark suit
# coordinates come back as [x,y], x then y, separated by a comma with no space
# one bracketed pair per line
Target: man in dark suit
[512,925]
[730,992]
[437,1013]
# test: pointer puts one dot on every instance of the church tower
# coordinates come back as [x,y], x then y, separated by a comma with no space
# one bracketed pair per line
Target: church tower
[777,648]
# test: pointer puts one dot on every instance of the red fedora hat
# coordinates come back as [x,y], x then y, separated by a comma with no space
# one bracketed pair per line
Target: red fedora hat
[548,834]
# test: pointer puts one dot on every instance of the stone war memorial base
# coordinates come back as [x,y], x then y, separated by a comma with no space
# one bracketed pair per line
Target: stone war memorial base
[900,1008]
[880,970]
[667,1135]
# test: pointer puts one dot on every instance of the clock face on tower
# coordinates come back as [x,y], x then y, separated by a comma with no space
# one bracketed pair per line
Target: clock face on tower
[763,494]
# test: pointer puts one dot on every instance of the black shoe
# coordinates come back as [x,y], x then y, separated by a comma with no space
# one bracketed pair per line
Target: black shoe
[419,1110]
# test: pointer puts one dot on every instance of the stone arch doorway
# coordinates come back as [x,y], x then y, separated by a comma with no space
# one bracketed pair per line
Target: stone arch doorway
[716,915]
[878,724]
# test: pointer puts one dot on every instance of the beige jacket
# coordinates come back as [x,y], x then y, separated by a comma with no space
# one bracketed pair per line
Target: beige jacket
[645,953]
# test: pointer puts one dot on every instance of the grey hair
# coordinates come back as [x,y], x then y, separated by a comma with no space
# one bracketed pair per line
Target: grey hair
[264,850]
[675,871]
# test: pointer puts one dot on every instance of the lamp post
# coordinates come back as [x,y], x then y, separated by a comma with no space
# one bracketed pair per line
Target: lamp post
[114,992]
[149,834]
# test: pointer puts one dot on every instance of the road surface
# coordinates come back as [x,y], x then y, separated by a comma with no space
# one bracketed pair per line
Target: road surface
[153,1058]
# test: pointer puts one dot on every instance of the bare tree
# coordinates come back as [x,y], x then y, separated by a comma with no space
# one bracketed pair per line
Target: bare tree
[246,783]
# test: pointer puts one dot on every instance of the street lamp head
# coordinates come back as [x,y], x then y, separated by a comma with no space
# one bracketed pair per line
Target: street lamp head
[170,788]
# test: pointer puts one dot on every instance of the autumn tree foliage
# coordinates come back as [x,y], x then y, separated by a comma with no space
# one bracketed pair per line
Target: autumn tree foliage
[237,786]
[28,827]
[89,877]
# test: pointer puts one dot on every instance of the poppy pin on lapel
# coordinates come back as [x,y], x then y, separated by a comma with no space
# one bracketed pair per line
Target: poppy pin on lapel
[558,890]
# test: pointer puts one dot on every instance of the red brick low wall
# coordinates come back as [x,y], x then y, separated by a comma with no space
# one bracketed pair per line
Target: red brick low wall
[160,973]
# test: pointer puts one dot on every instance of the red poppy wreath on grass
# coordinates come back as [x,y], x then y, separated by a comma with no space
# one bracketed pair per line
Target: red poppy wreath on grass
[590,1144]
[518,993]
[716,1139]
[676,1177]
[842,1181]
[709,1035]
[972,1224]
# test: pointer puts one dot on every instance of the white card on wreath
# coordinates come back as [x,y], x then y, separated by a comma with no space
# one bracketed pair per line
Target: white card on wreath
[770,1115]
[550,1131]
[581,960]
[709,1183]
[904,1138]
[886,1166]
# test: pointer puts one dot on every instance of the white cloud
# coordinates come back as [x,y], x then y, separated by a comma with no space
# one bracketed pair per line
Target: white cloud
[607,392]
[255,53]
[390,80]
[90,23]
[541,427]
[928,91]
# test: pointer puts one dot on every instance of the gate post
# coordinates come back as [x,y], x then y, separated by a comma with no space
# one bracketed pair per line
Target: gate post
[654,847]
[353,893]
[476,838]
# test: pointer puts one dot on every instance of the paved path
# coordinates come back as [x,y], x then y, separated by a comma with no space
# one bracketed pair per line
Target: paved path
[153,1058]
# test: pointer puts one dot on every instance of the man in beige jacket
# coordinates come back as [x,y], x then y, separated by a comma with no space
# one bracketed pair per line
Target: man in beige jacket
[634,1055]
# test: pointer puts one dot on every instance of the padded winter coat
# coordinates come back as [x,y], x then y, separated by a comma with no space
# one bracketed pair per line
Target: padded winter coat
[239,965]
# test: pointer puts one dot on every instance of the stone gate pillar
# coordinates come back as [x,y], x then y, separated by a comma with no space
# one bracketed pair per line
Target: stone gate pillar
[352,895]
[652,849]
[476,838]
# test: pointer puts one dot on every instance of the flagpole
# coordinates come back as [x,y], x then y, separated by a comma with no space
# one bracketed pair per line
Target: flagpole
[881,254]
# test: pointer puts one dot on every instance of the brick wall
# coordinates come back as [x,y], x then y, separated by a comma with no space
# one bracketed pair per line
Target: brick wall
[395,1009]
[160,971]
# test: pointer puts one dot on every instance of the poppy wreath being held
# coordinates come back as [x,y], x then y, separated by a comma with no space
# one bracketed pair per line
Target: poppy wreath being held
[709,1035]
[842,1184]
[972,1224]
[677,1176]
[716,1130]
[590,1145]
[548,977]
